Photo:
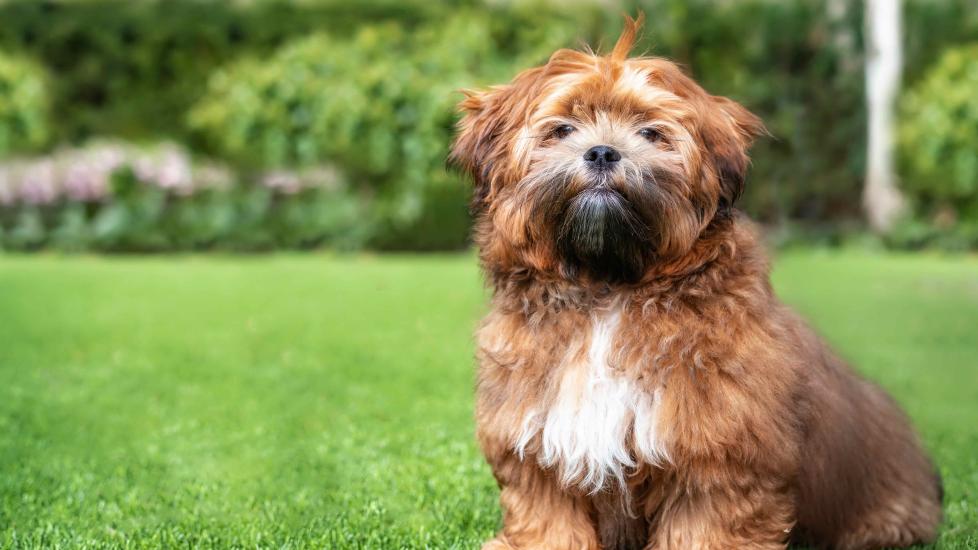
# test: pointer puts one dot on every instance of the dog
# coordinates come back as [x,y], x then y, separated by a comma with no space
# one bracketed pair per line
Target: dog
[640,385]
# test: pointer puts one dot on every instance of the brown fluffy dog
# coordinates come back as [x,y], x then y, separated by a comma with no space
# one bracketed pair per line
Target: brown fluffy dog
[640,384]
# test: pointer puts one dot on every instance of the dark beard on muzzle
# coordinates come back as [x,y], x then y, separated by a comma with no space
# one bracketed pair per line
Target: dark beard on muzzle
[601,235]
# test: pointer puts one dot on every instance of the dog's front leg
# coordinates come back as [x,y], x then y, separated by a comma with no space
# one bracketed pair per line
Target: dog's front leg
[537,513]
[743,512]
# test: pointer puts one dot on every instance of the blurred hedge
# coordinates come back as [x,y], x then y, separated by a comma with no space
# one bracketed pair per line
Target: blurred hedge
[114,197]
[130,68]
[23,105]
[939,149]
[385,120]
[368,87]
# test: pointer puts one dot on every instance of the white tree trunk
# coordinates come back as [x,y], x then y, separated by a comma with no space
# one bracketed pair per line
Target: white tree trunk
[881,198]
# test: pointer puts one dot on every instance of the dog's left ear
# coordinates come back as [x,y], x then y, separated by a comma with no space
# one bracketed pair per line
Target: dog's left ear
[730,132]
[490,120]
[473,139]
[477,149]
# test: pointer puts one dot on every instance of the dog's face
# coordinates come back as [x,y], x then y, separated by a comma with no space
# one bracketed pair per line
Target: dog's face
[597,167]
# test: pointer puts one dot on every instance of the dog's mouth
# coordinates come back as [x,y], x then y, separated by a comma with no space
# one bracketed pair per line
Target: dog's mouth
[602,234]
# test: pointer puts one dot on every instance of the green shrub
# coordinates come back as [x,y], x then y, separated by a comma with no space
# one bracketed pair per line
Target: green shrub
[23,105]
[130,68]
[113,196]
[384,119]
[378,79]
[141,218]
[939,137]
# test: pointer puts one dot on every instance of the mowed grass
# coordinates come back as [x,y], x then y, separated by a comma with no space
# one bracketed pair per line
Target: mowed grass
[326,402]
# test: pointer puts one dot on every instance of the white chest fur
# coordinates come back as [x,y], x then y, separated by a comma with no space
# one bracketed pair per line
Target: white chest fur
[599,423]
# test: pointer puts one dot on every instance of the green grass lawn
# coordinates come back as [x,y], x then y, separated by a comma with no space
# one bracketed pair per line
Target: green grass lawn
[316,401]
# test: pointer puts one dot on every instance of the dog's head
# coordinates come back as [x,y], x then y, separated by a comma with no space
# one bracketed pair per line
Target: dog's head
[597,166]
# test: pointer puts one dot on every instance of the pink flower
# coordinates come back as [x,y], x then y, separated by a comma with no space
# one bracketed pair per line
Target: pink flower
[8,195]
[37,184]
[282,181]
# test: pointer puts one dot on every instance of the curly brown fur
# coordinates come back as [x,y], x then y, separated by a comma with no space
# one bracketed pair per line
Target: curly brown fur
[640,385]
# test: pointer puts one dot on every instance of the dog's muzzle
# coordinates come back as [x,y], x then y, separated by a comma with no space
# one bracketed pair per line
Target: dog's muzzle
[600,233]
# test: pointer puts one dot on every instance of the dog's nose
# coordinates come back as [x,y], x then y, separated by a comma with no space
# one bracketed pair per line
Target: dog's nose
[602,156]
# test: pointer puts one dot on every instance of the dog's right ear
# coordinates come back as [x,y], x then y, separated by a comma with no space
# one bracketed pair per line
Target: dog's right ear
[476,149]
[730,133]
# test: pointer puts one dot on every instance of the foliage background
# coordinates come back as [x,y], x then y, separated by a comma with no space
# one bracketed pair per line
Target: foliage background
[321,400]
[366,92]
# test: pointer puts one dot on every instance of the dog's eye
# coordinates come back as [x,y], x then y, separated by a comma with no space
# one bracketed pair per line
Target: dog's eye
[650,134]
[562,131]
